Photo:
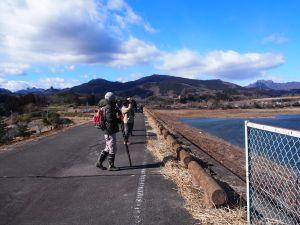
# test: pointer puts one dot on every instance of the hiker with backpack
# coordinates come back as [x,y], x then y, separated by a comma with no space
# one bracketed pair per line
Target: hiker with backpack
[109,123]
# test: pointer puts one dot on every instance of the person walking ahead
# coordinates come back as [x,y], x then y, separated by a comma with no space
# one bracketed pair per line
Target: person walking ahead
[128,119]
[111,127]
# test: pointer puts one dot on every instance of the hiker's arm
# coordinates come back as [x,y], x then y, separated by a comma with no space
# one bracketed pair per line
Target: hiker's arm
[126,110]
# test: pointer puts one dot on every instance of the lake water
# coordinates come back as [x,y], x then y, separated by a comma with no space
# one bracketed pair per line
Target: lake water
[232,129]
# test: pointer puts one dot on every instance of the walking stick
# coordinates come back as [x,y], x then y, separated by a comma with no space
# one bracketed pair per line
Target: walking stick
[128,154]
[126,145]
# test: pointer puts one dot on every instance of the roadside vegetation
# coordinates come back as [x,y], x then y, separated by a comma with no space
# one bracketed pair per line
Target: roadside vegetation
[20,127]
[28,116]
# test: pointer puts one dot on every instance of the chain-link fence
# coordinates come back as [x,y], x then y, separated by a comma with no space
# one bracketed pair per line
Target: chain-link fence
[273,174]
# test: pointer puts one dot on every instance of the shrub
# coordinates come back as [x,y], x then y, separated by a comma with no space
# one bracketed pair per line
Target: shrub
[3,130]
[25,118]
[65,121]
[36,114]
[52,119]
[23,130]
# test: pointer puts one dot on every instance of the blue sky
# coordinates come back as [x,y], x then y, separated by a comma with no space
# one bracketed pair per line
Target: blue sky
[64,43]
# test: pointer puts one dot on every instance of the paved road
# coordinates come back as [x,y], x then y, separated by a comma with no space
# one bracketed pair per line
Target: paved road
[54,181]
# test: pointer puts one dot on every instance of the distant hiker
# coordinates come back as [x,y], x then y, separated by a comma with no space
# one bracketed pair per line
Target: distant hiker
[141,108]
[110,127]
[128,119]
[134,106]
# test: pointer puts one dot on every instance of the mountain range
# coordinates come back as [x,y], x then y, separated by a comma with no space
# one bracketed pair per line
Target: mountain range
[40,91]
[31,90]
[168,86]
[5,91]
[158,85]
[271,85]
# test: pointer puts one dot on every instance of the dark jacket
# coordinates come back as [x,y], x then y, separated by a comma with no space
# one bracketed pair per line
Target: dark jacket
[111,119]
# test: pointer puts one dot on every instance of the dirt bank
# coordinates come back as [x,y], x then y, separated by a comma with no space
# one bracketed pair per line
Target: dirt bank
[231,156]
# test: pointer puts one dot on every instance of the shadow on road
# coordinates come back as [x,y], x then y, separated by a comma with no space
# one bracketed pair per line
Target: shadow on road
[144,135]
[137,142]
[146,166]
[139,129]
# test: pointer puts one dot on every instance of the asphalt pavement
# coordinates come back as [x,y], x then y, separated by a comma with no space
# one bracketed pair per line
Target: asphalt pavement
[54,181]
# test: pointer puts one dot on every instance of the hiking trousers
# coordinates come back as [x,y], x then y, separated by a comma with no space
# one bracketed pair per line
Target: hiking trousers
[110,143]
[128,127]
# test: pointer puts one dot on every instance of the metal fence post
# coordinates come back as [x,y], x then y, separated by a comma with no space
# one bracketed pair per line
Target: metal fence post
[247,173]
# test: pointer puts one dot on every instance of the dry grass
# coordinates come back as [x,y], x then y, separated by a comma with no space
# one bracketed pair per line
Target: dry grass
[192,194]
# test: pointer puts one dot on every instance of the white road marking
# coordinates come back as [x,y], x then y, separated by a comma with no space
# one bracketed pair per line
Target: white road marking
[139,196]
[137,209]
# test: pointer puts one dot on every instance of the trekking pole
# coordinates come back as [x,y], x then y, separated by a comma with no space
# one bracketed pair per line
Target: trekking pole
[128,154]
[126,145]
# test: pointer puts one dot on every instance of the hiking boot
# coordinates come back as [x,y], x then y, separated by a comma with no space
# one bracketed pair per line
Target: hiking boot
[100,166]
[113,168]
[101,159]
[111,162]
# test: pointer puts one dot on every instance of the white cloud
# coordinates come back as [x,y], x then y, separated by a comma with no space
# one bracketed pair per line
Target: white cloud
[222,64]
[130,77]
[126,15]
[13,85]
[93,31]
[56,82]
[61,68]
[85,76]
[275,39]
[122,79]
[9,68]
[70,67]
[77,31]
[135,51]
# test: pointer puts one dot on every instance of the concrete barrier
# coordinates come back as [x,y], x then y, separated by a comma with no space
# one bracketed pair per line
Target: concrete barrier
[214,194]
